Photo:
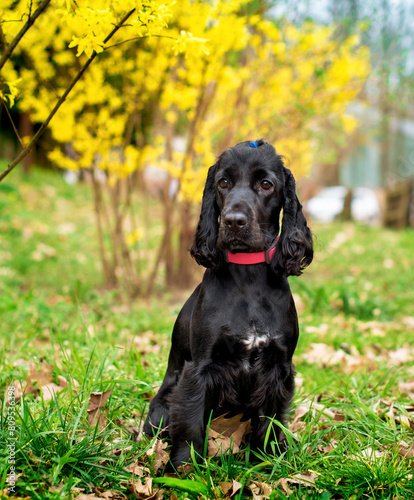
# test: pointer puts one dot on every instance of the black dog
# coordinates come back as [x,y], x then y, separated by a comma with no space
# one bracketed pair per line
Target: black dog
[233,341]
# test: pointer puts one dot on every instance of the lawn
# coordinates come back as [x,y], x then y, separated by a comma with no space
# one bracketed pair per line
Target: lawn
[352,426]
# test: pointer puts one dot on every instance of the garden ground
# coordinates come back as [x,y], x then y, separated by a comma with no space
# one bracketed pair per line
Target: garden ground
[352,425]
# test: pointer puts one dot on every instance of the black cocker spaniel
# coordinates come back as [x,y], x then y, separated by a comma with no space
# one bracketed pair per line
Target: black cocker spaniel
[233,341]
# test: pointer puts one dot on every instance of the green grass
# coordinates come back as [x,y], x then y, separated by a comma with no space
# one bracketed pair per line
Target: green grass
[356,300]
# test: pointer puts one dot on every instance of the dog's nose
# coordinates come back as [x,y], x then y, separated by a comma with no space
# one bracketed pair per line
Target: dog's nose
[235,221]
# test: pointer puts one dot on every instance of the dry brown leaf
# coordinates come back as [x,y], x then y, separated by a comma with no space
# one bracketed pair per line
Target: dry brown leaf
[230,489]
[161,456]
[225,487]
[21,362]
[117,451]
[400,356]
[373,453]
[333,443]
[306,479]
[323,355]
[375,328]
[405,450]
[35,379]
[146,342]
[260,489]
[137,469]
[97,411]
[348,358]
[144,491]
[369,455]
[306,407]
[283,484]
[108,494]
[49,389]
[226,433]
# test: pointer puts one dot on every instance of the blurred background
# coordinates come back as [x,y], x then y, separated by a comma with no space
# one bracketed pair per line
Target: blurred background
[331,86]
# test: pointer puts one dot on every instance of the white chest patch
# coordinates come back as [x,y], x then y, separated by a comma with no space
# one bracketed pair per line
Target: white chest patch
[255,339]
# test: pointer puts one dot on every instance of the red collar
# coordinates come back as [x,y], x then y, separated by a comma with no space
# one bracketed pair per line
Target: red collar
[251,258]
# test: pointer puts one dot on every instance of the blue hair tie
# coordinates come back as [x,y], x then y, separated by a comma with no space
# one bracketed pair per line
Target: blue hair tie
[253,144]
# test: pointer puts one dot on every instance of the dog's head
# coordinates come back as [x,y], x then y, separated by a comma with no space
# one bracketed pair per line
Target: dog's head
[244,194]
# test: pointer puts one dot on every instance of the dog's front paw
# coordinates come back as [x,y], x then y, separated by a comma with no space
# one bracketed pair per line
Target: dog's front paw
[157,421]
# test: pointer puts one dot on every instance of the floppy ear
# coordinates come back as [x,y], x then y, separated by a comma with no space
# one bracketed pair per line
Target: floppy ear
[294,249]
[205,250]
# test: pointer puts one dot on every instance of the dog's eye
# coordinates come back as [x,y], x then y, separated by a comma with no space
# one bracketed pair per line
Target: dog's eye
[266,185]
[223,183]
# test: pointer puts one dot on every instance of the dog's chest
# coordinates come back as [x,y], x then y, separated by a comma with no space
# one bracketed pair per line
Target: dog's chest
[254,338]
[243,346]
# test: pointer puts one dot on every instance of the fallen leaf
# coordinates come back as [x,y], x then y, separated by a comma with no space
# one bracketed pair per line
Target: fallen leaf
[400,356]
[35,379]
[97,411]
[42,251]
[306,479]
[144,491]
[108,494]
[283,484]
[260,489]
[49,389]
[326,449]
[349,359]
[21,362]
[61,485]
[230,489]
[161,456]
[137,469]
[226,433]
[405,450]
[315,408]
[323,355]
[146,342]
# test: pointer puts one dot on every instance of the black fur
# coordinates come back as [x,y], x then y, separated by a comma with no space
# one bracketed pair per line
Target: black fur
[233,341]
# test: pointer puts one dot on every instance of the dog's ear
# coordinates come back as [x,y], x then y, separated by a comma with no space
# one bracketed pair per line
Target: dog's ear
[294,249]
[205,250]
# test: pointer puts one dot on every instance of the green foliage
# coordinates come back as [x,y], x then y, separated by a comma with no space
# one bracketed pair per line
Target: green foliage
[355,299]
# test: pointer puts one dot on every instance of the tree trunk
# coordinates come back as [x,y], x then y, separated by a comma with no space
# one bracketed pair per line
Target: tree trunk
[184,278]
[108,271]
[26,130]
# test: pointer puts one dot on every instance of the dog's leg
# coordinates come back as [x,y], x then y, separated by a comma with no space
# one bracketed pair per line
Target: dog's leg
[190,406]
[260,428]
[275,405]
[158,416]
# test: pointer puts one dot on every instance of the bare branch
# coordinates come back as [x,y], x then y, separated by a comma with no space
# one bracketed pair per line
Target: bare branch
[13,125]
[44,125]
[8,50]
[2,38]
[139,38]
